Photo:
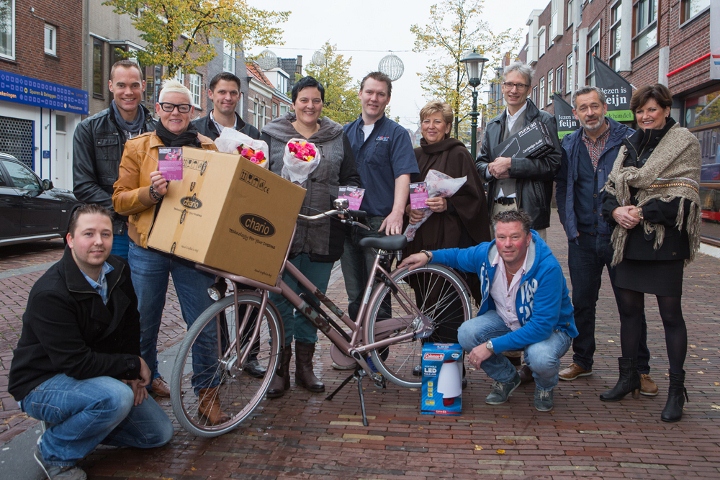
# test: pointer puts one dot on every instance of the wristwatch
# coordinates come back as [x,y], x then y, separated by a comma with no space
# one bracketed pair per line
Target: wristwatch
[427,254]
[489,346]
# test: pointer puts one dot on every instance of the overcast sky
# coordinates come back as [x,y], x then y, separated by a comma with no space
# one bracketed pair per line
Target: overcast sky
[368,30]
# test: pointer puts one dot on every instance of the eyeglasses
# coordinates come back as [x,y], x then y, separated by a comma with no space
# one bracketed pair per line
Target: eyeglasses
[169,107]
[519,86]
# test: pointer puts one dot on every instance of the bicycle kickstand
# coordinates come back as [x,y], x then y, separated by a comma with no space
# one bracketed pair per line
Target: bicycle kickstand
[358,376]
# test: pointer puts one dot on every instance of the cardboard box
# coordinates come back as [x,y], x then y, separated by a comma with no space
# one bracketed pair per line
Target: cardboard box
[228,213]
[533,141]
[442,379]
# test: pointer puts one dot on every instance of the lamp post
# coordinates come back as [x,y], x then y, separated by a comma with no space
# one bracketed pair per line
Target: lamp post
[474,66]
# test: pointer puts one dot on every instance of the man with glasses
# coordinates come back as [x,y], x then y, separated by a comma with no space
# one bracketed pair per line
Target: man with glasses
[98,145]
[588,155]
[224,93]
[519,183]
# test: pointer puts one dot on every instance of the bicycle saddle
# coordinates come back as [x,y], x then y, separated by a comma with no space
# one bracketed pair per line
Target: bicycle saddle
[390,242]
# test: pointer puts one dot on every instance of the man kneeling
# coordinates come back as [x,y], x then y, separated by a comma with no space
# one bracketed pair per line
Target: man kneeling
[77,365]
[525,305]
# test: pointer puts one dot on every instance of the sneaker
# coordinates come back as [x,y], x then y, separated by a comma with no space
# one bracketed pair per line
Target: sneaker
[54,472]
[574,371]
[647,385]
[501,391]
[543,400]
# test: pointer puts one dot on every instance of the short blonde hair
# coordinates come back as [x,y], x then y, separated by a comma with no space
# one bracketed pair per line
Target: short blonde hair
[173,85]
[437,106]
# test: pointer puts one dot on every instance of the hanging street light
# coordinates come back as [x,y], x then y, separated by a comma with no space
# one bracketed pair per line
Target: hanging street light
[474,66]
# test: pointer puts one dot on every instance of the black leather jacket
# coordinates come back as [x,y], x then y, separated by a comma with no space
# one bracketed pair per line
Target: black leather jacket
[97,149]
[534,176]
[207,127]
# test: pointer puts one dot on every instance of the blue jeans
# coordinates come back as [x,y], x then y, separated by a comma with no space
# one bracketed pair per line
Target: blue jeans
[356,263]
[80,414]
[121,244]
[586,260]
[150,271]
[296,324]
[543,357]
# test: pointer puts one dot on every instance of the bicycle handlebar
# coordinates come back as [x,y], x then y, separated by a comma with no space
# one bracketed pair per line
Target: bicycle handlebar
[352,215]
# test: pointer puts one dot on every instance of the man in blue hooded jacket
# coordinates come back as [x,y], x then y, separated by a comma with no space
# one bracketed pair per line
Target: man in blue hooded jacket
[525,306]
[588,155]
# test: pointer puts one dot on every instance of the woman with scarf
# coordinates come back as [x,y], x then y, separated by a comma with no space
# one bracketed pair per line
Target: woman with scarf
[316,245]
[653,202]
[459,221]
[139,189]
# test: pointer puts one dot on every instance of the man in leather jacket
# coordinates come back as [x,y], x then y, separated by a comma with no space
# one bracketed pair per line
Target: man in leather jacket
[519,183]
[99,141]
[224,93]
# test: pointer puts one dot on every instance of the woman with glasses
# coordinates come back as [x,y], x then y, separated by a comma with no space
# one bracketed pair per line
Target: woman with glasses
[139,189]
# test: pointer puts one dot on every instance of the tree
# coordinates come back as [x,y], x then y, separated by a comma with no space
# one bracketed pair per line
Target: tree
[341,93]
[455,28]
[178,32]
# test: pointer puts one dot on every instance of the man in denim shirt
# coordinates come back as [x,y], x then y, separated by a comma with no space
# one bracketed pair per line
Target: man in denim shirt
[385,160]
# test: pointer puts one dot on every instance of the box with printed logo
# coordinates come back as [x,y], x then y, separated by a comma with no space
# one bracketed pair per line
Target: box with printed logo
[228,213]
[533,141]
[442,379]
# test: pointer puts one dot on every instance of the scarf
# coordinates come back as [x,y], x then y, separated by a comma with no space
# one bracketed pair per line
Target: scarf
[672,171]
[186,138]
[134,127]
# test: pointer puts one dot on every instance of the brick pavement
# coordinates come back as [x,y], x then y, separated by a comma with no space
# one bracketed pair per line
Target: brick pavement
[302,435]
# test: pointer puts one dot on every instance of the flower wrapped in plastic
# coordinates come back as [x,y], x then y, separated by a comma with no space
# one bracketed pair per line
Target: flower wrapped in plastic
[301,158]
[232,141]
[438,185]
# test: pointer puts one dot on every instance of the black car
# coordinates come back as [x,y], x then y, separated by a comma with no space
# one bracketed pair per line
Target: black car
[30,208]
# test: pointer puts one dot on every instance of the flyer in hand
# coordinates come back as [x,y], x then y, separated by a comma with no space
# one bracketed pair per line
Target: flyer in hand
[170,162]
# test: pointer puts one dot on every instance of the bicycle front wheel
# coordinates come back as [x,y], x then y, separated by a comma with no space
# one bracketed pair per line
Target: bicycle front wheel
[432,293]
[207,369]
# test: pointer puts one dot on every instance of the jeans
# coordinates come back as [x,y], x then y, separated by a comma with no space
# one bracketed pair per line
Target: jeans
[296,324]
[543,357]
[356,263]
[121,244]
[80,414]
[150,272]
[586,260]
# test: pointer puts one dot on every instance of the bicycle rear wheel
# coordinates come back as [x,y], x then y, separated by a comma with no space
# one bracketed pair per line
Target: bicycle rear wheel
[435,293]
[209,358]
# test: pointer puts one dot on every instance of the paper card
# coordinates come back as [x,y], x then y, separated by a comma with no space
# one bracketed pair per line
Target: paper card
[354,196]
[170,162]
[418,195]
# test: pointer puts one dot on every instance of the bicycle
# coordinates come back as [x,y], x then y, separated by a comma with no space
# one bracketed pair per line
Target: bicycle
[399,310]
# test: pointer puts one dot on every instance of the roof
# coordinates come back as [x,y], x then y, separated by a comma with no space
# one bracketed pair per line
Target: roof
[255,71]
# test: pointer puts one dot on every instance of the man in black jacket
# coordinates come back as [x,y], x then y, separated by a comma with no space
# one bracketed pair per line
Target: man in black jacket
[224,93]
[77,365]
[519,183]
[99,141]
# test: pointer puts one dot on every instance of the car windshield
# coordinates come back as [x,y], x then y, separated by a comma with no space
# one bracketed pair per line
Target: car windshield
[21,176]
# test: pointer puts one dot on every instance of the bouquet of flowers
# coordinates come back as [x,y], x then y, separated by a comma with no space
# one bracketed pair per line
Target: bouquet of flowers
[438,185]
[232,141]
[301,158]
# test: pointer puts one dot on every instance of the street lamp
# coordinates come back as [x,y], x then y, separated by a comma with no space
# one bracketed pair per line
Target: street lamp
[474,66]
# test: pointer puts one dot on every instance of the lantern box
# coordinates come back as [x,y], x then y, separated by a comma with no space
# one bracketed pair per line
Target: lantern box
[442,365]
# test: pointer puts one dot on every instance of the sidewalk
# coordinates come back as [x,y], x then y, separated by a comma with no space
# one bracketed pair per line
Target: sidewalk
[302,435]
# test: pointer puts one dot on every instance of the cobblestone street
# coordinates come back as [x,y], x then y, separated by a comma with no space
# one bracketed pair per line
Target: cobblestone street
[303,435]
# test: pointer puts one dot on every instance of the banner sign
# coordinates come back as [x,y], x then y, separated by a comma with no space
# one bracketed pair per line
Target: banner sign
[566,121]
[38,93]
[617,91]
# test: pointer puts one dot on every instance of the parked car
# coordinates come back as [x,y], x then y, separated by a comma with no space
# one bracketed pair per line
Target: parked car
[30,208]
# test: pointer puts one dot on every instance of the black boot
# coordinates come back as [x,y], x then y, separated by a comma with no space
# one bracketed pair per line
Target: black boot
[281,380]
[677,395]
[304,375]
[629,381]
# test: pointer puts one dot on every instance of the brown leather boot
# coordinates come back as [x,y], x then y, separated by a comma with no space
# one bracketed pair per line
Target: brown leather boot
[304,375]
[281,380]
[209,406]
